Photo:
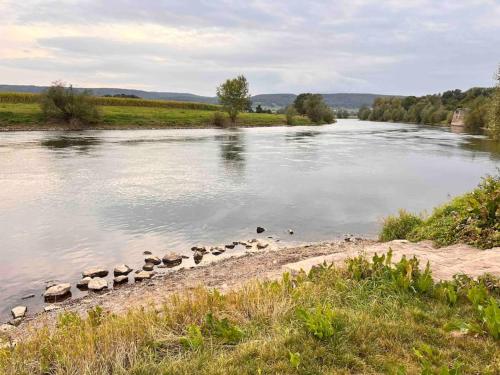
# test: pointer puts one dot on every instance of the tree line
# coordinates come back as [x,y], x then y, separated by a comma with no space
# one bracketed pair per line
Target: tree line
[432,109]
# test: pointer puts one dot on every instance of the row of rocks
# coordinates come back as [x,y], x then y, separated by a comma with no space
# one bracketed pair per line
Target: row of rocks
[94,278]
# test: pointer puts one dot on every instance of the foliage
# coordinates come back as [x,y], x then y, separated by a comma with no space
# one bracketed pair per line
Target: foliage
[122,101]
[314,106]
[398,227]
[21,116]
[432,109]
[473,218]
[61,102]
[328,321]
[494,112]
[290,113]
[300,101]
[234,96]
[218,119]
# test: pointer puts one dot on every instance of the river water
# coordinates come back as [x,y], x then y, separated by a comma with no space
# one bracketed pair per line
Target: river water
[70,200]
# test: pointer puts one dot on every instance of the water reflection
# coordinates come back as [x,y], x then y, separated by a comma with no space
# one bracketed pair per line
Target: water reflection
[481,144]
[301,136]
[81,144]
[232,150]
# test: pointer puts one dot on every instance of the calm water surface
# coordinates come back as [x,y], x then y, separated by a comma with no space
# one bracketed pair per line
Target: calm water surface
[73,200]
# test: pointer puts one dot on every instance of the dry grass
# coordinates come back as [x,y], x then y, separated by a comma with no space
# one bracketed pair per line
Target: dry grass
[330,321]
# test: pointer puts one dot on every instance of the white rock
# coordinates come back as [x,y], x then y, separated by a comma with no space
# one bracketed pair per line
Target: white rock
[143,275]
[122,269]
[19,312]
[120,279]
[95,272]
[57,291]
[51,308]
[98,284]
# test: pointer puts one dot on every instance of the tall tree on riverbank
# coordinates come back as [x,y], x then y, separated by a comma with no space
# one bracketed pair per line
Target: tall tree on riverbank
[494,115]
[234,96]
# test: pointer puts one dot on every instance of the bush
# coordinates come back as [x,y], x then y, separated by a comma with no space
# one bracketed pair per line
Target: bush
[218,119]
[399,227]
[290,113]
[317,110]
[64,103]
[473,218]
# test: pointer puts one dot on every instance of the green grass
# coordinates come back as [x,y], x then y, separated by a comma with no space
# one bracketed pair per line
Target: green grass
[373,317]
[473,218]
[17,115]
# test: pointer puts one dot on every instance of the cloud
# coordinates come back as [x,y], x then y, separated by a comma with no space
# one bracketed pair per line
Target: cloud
[400,47]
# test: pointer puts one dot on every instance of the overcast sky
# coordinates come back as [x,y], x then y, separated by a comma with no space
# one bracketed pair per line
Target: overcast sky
[377,46]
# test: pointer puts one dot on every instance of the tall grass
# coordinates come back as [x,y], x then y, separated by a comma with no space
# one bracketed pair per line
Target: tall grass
[373,317]
[473,218]
[27,98]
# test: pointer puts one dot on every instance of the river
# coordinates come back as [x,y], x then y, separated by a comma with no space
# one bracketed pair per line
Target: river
[70,200]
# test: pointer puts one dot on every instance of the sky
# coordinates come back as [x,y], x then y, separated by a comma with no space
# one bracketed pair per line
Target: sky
[410,47]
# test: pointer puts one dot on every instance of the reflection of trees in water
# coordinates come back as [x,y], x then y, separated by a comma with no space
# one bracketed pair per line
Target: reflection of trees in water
[301,136]
[82,144]
[480,144]
[232,150]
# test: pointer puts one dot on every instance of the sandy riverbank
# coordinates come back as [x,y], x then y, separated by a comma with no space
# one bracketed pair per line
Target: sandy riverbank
[233,272]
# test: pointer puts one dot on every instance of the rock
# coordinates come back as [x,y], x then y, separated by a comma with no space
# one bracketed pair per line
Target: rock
[122,269]
[19,312]
[197,256]
[231,246]
[97,284]
[58,292]
[147,252]
[248,246]
[120,279]
[201,249]
[143,275]
[261,245]
[51,308]
[4,328]
[95,272]
[50,284]
[184,257]
[153,259]
[172,260]
[290,231]
[28,296]
[16,322]
[148,267]
[235,243]
[217,250]
[260,230]
[83,283]
[253,240]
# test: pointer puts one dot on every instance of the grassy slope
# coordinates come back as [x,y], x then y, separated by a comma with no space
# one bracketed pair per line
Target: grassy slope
[359,320]
[473,218]
[19,115]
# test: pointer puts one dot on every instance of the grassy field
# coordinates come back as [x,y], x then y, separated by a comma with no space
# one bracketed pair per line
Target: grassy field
[132,113]
[370,317]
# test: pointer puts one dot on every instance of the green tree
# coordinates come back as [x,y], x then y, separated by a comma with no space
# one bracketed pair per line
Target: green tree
[65,103]
[259,109]
[234,96]
[494,112]
[317,110]
[299,102]
[290,113]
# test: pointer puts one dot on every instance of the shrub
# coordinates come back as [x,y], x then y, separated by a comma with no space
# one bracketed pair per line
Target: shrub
[473,218]
[399,227]
[290,113]
[64,103]
[320,321]
[218,119]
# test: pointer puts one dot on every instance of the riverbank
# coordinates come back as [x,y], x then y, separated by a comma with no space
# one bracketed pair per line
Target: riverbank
[162,323]
[21,117]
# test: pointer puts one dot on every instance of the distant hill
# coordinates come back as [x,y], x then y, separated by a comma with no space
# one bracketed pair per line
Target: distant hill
[273,101]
